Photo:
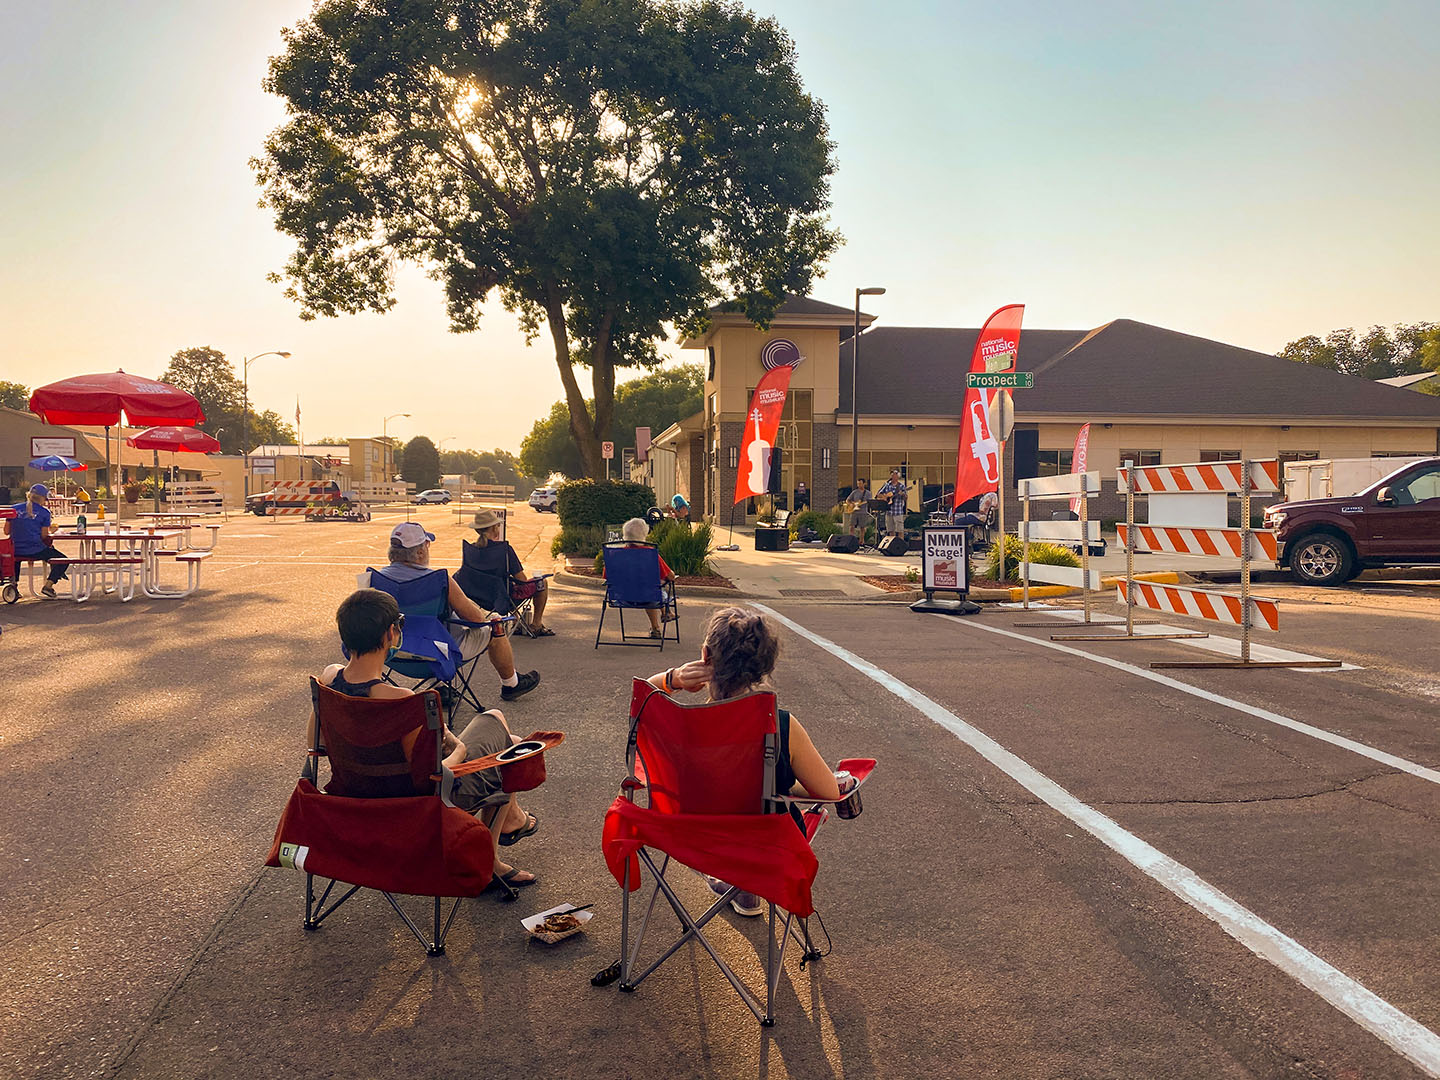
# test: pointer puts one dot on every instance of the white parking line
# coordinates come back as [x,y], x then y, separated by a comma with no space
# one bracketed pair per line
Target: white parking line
[1402,764]
[1396,1029]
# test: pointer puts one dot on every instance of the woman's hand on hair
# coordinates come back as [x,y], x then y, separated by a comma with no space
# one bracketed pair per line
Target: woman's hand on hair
[694,676]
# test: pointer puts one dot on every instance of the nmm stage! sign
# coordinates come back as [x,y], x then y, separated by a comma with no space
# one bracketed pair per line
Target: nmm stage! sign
[944,560]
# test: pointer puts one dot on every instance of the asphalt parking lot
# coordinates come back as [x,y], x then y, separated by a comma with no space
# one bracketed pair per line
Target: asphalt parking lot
[1031,890]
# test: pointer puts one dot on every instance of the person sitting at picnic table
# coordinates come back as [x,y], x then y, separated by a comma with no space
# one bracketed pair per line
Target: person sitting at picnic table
[737,657]
[494,558]
[409,560]
[633,533]
[370,626]
[30,531]
[679,508]
[82,499]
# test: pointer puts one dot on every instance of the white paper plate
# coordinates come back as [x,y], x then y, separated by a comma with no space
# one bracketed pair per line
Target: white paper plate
[533,923]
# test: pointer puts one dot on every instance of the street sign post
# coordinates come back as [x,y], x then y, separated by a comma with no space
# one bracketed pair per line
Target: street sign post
[607,451]
[1008,380]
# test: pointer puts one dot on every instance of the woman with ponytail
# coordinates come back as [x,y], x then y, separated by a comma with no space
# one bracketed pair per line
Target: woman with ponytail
[737,657]
[30,530]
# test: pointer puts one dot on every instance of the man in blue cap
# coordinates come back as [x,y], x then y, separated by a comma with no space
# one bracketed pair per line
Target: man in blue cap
[30,531]
[410,559]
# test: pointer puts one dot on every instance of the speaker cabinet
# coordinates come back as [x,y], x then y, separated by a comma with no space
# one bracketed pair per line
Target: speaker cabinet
[844,544]
[893,545]
[772,539]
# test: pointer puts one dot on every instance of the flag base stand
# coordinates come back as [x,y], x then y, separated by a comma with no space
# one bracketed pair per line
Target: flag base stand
[1083,625]
[932,606]
[728,547]
[1122,637]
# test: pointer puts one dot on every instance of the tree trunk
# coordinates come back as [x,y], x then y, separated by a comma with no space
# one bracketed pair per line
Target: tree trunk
[582,427]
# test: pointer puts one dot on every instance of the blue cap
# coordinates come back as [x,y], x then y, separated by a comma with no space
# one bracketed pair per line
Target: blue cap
[678,500]
[41,490]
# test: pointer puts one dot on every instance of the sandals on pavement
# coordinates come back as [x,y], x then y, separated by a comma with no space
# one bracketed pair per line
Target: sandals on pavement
[515,871]
[531,826]
[544,631]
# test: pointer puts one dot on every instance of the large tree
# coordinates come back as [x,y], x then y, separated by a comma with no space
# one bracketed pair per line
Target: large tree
[421,463]
[655,400]
[609,166]
[210,377]
[1378,353]
[14,395]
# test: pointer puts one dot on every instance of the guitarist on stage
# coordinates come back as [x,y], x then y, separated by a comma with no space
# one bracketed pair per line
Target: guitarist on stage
[894,489]
[857,515]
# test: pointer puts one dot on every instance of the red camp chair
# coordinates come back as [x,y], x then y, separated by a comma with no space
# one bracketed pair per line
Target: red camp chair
[384,820]
[709,774]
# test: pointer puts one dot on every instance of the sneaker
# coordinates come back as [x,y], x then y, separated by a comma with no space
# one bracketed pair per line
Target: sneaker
[748,904]
[655,635]
[48,590]
[527,682]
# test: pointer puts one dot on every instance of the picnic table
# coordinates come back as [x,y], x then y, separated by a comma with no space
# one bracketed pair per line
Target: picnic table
[187,520]
[119,559]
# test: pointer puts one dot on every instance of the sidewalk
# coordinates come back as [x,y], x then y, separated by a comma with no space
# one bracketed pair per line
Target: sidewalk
[804,571]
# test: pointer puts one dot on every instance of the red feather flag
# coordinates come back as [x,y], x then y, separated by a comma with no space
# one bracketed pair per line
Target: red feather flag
[977,469]
[762,423]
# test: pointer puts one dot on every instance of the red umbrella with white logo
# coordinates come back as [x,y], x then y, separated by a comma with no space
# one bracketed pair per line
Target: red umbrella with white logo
[186,440]
[113,396]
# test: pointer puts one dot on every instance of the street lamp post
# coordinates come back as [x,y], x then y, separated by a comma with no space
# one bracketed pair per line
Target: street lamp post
[854,402]
[385,439]
[245,411]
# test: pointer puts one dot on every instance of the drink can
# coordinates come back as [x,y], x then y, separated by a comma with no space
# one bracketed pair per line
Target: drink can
[848,807]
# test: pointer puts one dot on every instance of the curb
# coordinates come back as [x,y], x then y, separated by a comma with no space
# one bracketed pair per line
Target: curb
[1157,577]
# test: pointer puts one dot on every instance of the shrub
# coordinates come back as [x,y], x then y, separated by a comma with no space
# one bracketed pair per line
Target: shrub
[1040,553]
[602,502]
[685,550]
[578,540]
[824,523]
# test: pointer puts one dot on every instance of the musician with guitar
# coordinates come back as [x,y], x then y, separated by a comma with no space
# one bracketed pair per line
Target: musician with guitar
[894,489]
[856,514]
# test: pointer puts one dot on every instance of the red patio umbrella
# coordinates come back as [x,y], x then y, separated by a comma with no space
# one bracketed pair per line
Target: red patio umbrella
[109,397]
[187,440]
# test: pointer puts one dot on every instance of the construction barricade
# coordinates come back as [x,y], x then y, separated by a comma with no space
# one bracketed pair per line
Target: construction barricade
[1196,499]
[1076,489]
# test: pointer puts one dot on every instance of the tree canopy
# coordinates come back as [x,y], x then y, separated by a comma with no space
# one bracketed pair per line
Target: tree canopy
[655,400]
[487,467]
[609,168]
[1378,353]
[14,395]
[205,373]
[421,463]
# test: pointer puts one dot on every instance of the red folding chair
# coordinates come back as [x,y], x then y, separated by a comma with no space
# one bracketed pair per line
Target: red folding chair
[709,775]
[384,820]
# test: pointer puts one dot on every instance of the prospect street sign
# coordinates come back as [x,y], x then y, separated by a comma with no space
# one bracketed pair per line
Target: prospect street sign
[1009,380]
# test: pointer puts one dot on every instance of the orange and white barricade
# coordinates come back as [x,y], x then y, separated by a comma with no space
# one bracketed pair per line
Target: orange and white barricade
[294,497]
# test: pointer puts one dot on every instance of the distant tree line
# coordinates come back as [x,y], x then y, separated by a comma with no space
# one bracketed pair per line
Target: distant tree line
[1378,353]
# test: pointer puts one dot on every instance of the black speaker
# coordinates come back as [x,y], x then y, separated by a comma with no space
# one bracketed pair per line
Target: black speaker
[893,545]
[768,539]
[844,543]
[1027,454]
[775,487]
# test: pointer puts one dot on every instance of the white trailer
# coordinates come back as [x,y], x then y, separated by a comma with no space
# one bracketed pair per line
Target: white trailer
[1336,477]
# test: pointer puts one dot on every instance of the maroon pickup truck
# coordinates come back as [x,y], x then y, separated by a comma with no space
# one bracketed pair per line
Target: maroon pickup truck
[1394,522]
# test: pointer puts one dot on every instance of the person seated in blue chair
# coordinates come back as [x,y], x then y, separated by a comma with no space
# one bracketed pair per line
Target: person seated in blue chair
[409,560]
[370,626]
[494,558]
[634,532]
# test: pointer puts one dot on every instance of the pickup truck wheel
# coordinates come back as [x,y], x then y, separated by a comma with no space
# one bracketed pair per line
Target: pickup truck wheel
[1322,559]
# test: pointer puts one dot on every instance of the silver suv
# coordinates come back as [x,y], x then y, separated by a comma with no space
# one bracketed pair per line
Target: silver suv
[543,499]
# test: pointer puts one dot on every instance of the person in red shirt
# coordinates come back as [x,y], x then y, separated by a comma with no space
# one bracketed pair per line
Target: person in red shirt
[634,533]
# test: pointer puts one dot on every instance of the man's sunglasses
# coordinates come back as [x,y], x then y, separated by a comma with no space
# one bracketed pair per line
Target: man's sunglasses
[399,622]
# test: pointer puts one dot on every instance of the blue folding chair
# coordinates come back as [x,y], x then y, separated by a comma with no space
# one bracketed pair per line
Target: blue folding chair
[428,650]
[492,591]
[632,580]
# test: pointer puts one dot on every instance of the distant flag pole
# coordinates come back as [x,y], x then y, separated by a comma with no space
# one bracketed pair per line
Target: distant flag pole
[300,438]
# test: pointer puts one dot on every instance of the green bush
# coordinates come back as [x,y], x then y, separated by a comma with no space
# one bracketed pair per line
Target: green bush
[686,550]
[1040,553]
[824,524]
[602,502]
[580,540]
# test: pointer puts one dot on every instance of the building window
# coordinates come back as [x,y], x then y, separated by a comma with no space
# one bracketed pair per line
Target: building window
[1287,456]
[825,460]
[1220,455]
[1140,457]
[735,459]
[1053,462]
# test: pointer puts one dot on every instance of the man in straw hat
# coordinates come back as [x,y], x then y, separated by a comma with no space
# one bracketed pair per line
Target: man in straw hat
[493,577]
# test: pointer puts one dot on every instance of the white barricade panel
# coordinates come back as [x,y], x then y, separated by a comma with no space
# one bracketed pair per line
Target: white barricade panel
[1152,539]
[1064,575]
[1066,484]
[1069,531]
[1201,476]
[1203,604]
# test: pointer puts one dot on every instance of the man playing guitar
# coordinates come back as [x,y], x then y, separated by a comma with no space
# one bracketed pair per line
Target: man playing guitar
[894,489]
[857,515]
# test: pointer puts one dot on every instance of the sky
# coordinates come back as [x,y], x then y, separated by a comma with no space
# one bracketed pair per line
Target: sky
[1250,172]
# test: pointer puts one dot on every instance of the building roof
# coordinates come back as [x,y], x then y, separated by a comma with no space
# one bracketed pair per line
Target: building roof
[313,450]
[1409,381]
[793,311]
[1123,368]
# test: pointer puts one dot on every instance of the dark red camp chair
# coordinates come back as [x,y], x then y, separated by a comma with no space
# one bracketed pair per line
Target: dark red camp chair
[384,820]
[709,774]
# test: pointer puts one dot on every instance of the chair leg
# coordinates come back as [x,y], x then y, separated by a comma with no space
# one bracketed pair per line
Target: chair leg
[601,628]
[310,921]
[772,973]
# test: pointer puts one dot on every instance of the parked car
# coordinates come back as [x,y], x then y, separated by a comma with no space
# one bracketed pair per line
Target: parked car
[433,495]
[543,499]
[260,502]
[1393,522]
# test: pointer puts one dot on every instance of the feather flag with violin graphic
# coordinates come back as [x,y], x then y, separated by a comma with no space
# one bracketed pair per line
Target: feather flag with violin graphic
[761,424]
[977,468]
